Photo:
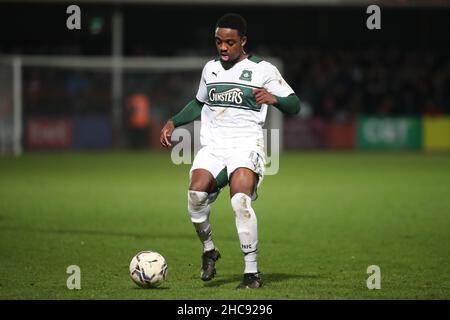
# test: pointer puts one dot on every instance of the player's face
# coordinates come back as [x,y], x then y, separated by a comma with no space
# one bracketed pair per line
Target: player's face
[229,44]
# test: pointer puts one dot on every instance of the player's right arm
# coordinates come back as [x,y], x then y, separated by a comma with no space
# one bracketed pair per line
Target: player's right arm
[188,114]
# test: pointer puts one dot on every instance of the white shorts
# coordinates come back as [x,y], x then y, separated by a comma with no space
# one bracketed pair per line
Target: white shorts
[215,160]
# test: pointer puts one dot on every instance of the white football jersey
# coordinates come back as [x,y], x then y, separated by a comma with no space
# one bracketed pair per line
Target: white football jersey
[230,115]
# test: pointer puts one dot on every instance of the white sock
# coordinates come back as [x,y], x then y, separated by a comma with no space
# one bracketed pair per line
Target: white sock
[247,228]
[204,233]
[199,210]
[251,265]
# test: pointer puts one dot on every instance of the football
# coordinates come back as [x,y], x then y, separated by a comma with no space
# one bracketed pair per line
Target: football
[148,269]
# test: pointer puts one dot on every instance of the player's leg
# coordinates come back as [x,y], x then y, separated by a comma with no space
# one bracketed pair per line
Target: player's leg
[202,184]
[203,190]
[243,182]
[247,172]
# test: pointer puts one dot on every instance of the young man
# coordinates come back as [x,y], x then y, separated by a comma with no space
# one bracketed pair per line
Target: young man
[234,93]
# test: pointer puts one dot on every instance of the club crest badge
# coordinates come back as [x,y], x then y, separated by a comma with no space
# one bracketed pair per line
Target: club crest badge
[246,75]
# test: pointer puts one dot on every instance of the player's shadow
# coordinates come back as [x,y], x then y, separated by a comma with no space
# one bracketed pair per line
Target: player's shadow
[266,277]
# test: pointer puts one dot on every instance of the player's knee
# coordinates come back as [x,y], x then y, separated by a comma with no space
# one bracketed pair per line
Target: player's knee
[243,180]
[241,204]
[202,180]
[198,205]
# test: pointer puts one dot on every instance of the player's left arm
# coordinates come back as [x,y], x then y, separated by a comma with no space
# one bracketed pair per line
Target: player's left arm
[276,92]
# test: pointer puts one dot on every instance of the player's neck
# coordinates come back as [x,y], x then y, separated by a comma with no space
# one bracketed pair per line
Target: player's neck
[229,65]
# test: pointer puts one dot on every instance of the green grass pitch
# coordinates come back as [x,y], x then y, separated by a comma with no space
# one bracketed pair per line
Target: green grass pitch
[323,219]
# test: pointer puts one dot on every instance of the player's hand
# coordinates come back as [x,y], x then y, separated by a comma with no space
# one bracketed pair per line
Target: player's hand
[264,97]
[166,132]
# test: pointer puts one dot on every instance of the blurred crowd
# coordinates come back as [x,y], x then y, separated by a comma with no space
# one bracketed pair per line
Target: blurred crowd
[72,92]
[66,92]
[375,81]
[339,83]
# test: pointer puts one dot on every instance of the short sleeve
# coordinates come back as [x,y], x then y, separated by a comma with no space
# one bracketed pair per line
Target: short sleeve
[202,93]
[274,82]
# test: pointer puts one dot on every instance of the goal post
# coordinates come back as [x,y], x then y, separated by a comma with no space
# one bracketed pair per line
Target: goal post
[11,106]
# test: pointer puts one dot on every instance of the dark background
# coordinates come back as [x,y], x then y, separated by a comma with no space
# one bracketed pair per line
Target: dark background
[175,30]
[331,59]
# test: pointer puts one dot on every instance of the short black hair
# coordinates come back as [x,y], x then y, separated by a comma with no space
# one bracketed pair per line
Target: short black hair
[233,21]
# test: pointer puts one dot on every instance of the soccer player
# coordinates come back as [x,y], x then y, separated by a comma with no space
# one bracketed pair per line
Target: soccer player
[234,94]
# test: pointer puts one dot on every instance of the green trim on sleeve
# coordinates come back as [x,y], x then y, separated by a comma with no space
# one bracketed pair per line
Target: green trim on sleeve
[289,104]
[188,114]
